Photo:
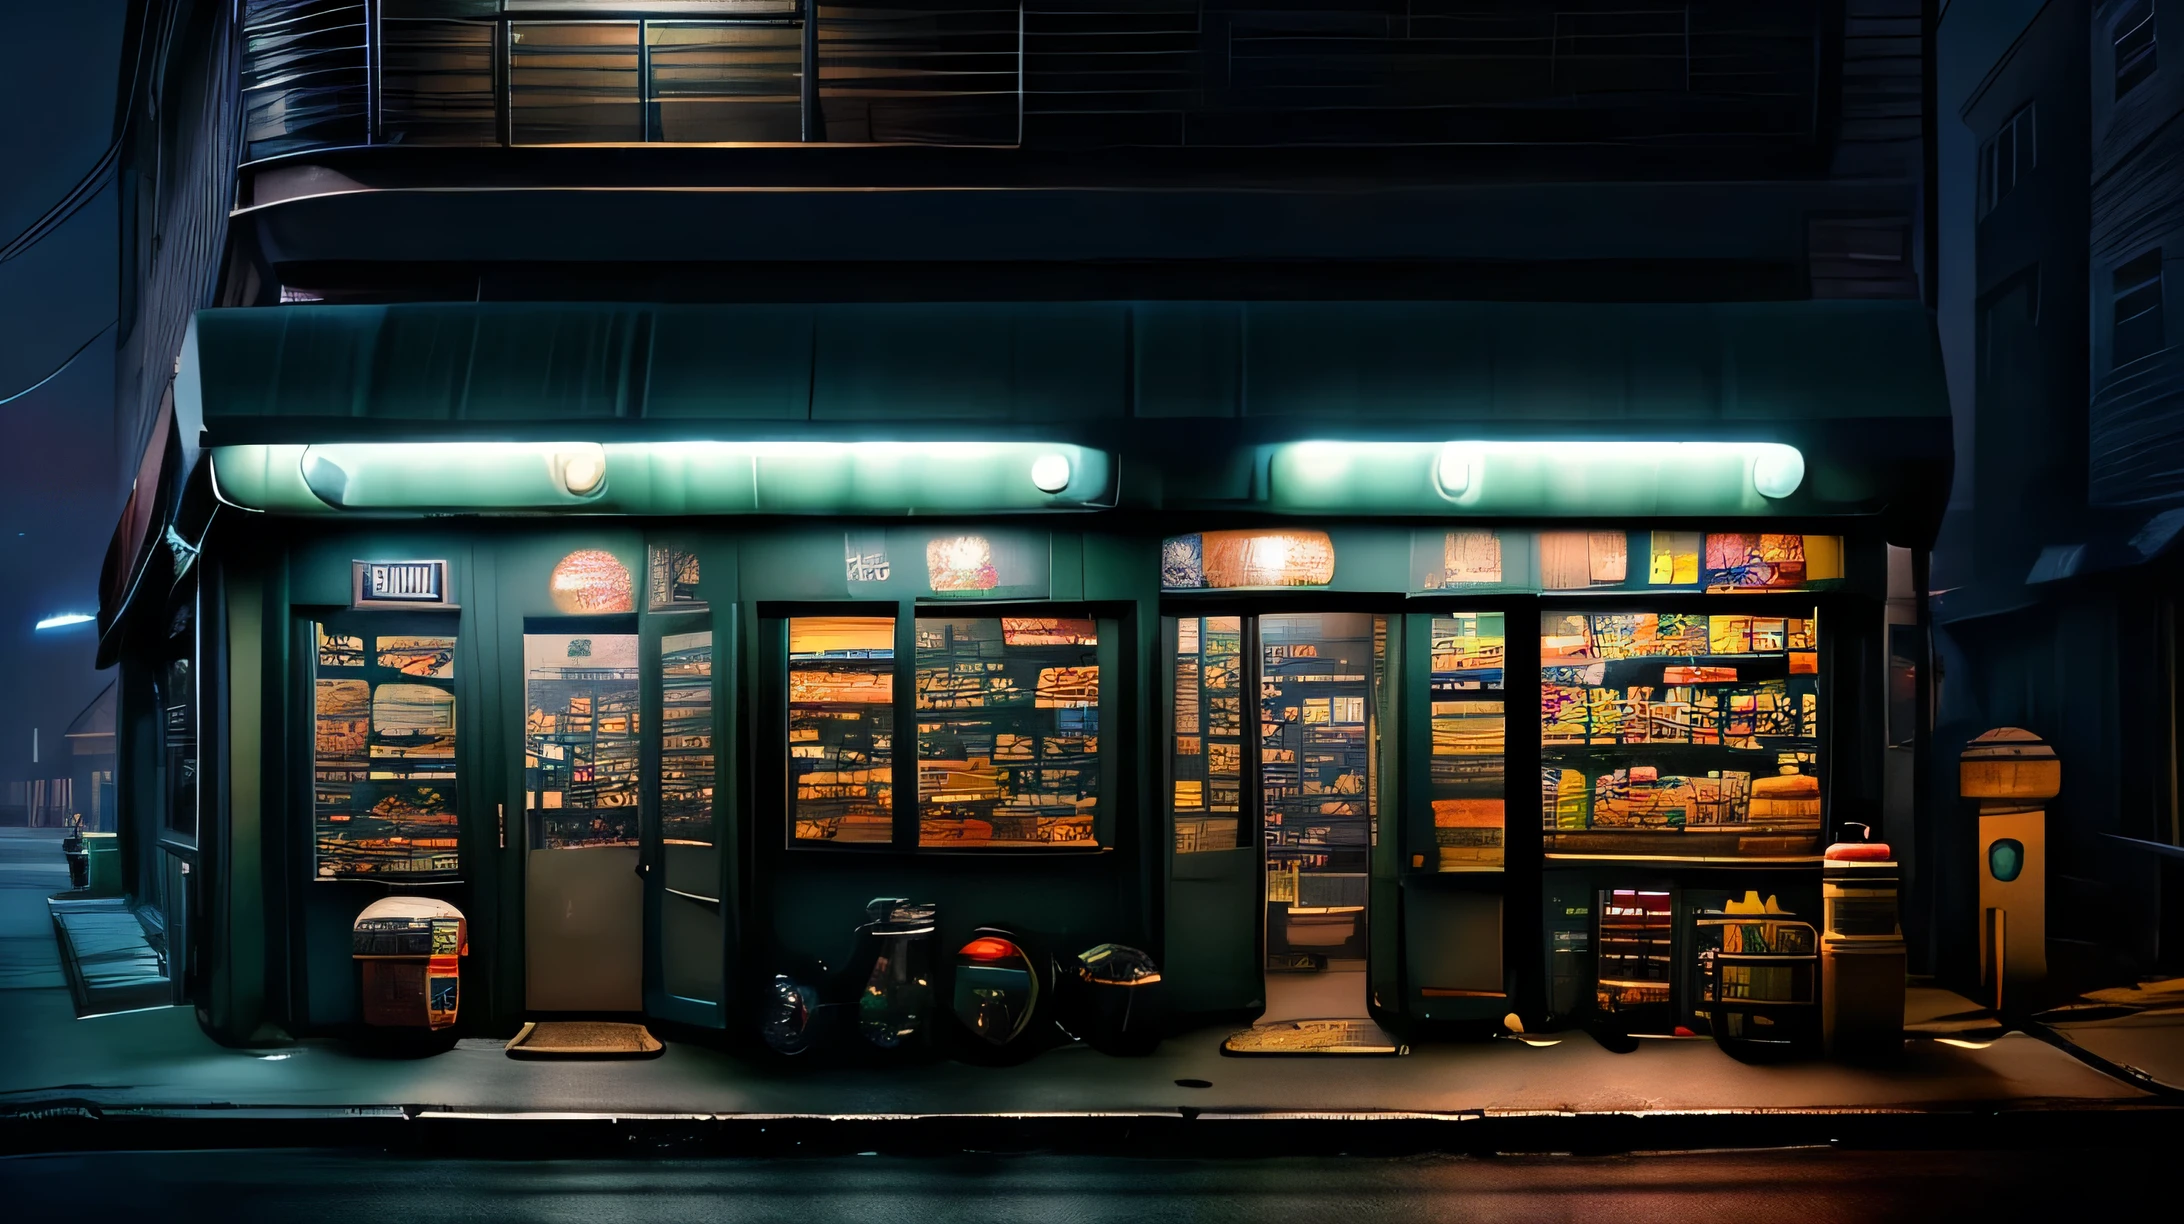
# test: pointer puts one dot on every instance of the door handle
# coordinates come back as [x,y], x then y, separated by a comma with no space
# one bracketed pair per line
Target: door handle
[644,868]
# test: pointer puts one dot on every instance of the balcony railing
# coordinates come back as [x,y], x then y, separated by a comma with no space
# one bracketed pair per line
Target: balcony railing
[323,74]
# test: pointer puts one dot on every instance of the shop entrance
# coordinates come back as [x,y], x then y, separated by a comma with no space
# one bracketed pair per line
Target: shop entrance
[583,894]
[623,854]
[1317,790]
[1276,769]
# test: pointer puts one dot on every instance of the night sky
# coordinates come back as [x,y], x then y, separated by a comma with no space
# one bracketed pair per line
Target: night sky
[60,482]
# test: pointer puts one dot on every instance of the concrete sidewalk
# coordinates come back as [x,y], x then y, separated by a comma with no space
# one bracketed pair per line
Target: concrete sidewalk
[2137,1030]
[158,1060]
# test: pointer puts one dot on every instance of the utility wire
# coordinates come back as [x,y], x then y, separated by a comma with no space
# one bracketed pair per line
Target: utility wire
[94,180]
[63,367]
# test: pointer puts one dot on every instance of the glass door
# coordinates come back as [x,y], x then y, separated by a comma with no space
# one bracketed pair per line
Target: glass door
[1318,800]
[1276,739]
[583,927]
[682,862]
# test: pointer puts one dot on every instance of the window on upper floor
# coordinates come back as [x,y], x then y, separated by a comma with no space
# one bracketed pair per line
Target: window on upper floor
[2008,156]
[2134,39]
[2137,306]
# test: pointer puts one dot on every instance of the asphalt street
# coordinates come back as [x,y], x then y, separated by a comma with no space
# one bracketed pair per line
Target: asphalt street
[1811,1187]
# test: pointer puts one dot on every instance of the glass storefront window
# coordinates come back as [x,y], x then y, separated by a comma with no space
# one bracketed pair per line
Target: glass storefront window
[1686,734]
[1008,715]
[383,749]
[1206,745]
[1466,782]
[842,730]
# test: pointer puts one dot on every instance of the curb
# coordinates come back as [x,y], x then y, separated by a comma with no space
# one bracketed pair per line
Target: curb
[57,1126]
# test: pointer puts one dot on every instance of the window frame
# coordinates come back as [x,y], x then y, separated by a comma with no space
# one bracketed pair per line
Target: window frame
[467,788]
[1106,657]
[1114,621]
[1816,605]
[2022,132]
[2128,63]
[1518,694]
[2120,289]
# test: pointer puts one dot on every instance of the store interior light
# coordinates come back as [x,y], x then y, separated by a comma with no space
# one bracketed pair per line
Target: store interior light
[66,619]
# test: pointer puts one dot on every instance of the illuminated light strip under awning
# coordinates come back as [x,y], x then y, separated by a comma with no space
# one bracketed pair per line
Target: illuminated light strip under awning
[667,477]
[1533,478]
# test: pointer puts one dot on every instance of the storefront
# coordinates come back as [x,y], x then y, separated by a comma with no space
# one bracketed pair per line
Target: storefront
[659,681]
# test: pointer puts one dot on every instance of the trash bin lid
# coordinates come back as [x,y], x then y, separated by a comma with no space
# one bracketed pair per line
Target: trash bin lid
[414,908]
[1858,852]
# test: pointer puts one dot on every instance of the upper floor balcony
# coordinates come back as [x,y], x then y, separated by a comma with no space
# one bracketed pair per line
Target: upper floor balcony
[1642,88]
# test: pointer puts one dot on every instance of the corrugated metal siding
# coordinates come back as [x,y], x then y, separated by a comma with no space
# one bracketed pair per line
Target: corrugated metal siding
[1879,131]
[2135,423]
[189,181]
[2137,427]
[305,79]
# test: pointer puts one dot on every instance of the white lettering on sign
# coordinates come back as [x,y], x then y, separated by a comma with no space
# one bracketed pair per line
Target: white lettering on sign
[401,581]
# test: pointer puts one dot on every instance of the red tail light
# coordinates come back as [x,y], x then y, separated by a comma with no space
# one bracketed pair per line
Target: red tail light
[990,948]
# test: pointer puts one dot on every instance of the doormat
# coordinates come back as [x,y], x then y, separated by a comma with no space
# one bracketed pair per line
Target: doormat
[584,1039]
[1315,1037]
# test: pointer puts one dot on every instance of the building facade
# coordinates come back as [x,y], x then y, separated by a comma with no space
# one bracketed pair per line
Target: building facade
[2057,617]
[657,478]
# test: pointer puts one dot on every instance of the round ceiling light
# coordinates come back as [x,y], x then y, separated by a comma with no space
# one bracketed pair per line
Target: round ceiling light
[1050,473]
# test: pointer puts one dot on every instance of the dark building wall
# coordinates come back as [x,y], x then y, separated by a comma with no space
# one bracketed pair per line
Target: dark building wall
[2136,452]
[2030,308]
[177,183]
[2053,671]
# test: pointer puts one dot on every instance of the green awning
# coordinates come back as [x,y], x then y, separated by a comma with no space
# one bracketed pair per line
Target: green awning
[1195,401]
[1041,363]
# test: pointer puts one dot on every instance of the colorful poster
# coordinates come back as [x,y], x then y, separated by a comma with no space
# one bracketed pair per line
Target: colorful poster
[384,774]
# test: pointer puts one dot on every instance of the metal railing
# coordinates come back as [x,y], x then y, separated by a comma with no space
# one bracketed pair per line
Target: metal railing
[322,74]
